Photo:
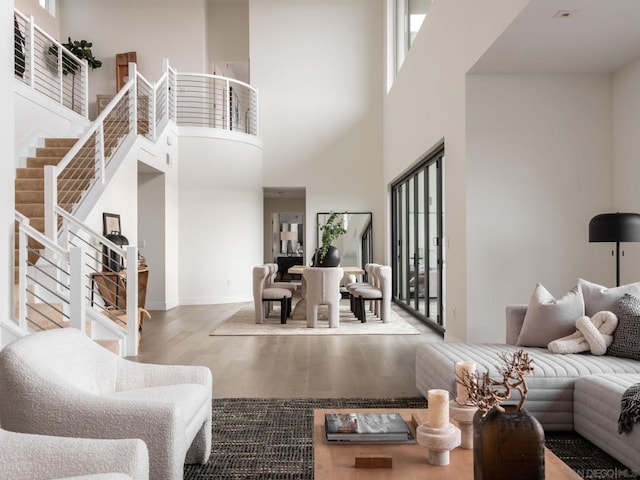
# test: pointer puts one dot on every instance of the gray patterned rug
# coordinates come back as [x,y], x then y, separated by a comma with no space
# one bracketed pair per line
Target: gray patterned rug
[260,439]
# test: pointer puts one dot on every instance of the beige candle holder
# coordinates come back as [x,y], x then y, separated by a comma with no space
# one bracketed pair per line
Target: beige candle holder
[463,415]
[438,441]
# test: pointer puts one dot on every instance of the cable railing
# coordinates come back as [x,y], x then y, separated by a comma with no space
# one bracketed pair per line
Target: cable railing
[67,274]
[43,280]
[43,64]
[108,288]
[53,284]
[145,109]
[216,102]
[67,183]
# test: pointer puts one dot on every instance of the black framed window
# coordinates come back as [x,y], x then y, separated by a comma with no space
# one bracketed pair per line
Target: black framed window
[417,227]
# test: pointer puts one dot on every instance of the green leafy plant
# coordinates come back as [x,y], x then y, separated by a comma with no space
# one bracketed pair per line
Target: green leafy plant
[82,50]
[332,229]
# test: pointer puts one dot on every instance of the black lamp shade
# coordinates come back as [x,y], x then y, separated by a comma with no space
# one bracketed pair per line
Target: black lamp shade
[615,227]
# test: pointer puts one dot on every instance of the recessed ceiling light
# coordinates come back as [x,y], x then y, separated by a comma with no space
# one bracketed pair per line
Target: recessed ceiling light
[565,13]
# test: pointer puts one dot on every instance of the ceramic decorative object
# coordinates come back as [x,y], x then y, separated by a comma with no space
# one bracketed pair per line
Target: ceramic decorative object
[327,255]
[437,435]
[507,444]
[330,259]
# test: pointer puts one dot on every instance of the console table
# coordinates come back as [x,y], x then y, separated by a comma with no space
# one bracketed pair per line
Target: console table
[284,263]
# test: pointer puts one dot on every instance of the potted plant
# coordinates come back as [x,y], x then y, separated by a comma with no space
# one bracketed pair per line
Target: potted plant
[82,50]
[504,435]
[327,255]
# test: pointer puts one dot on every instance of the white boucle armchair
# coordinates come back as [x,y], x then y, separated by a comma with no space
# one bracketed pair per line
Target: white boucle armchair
[61,383]
[24,456]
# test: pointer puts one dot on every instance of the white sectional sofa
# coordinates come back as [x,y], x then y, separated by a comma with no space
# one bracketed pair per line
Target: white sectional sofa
[579,392]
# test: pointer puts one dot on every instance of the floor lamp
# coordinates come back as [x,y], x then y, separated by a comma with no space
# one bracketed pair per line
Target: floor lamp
[615,227]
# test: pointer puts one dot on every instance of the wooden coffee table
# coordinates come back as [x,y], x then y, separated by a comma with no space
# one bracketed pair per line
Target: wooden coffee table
[333,461]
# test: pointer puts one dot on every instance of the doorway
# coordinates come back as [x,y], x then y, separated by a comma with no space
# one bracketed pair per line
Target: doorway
[284,225]
[417,219]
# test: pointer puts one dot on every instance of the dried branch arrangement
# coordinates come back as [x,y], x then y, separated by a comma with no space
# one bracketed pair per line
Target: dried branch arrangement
[487,393]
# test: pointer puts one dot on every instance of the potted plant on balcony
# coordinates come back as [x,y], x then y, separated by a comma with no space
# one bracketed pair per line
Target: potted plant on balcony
[327,255]
[82,50]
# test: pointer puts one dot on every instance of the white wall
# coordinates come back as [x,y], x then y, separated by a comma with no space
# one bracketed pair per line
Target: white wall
[220,219]
[7,168]
[37,117]
[43,19]
[227,32]
[626,167]
[427,104]
[120,197]
[155,29]
[318,67]
[538,169]
[148,211]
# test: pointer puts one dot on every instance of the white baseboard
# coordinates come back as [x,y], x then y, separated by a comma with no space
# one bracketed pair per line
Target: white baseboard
[215,300]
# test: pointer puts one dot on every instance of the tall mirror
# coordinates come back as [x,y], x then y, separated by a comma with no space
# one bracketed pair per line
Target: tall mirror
[355,246]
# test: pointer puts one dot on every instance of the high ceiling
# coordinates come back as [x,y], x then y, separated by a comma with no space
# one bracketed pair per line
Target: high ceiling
[567,36]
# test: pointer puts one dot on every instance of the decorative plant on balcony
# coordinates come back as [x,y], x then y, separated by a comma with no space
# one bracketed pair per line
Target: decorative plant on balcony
[332,229]
[82,50]
[487,393]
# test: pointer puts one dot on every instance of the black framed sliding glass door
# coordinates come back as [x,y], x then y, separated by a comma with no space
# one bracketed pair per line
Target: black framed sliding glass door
[417,217]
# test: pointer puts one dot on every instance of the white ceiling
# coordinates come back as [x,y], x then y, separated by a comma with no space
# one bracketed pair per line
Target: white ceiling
[601,37]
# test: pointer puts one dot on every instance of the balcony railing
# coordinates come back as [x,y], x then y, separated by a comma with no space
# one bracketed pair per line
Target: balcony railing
[216,102]
[43,64]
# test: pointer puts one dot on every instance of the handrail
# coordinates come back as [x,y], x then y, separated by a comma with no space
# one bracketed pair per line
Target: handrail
[138,108]
[98,266]
[37,70]
[97,123]
[92,233]
[39,237]
[213,101]
[219,77]
[107,324]
[92,158]
[53,287]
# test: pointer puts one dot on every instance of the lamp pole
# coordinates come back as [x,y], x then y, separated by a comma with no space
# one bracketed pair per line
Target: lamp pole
[617,264]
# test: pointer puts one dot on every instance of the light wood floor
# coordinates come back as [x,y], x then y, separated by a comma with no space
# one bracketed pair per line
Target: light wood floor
[284,366]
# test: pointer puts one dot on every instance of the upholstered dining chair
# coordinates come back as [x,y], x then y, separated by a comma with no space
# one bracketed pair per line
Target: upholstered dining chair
[381,293]
[271,279]
[263,294]
[370,282]
[323,288]
[272,283]
[61,383]
[25,456]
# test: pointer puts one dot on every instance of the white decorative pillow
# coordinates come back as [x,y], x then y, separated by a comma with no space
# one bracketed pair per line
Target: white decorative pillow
[598,298]
[593,335]
[548,319]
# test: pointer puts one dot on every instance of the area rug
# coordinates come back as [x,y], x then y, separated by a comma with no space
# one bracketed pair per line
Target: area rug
[243,323]
[261,439]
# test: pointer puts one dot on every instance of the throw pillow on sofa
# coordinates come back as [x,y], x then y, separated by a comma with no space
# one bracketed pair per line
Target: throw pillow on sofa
[626,338]
[598,297]
[548,319]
